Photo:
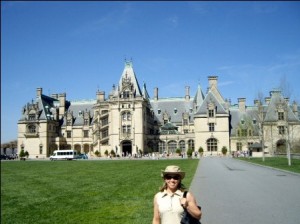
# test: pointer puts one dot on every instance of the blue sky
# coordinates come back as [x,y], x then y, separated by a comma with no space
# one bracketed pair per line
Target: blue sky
[79,47]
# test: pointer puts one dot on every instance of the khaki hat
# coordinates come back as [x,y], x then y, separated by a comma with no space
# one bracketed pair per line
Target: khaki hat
[173,170]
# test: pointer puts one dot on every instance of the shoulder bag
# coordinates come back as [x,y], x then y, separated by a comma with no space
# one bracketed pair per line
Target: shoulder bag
[187,218]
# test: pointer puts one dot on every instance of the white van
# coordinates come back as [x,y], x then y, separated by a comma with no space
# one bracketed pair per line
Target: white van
[64,154]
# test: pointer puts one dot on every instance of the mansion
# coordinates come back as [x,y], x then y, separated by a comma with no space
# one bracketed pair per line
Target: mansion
[129,122]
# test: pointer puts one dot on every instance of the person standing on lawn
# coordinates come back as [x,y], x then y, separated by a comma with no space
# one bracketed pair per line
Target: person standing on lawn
[169,203]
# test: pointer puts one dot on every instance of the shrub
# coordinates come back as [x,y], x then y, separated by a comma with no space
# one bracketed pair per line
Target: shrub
[97,153]
[112,152]
[190,152]
[200,150]
[224,150]
[26,154]
[22,153]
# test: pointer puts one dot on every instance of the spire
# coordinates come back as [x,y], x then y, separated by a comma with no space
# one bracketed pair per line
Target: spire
[199,97]
[128,78]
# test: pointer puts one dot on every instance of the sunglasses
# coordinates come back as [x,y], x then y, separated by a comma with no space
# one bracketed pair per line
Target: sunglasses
[169,177]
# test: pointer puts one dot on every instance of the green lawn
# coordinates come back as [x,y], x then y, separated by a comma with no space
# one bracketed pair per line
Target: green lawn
[83,191]
[276,162]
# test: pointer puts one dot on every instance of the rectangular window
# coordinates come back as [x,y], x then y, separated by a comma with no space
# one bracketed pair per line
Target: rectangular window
[211,113]
[281,130]
[126,129]
[211,127]
[68,134]
[104,121]
[239,146]
[85,133]
[280,116]
[41,149]
[244,132]
[86,122]
[105,133]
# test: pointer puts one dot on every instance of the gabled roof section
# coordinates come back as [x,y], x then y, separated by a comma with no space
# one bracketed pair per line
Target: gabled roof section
[78,108]
[129,74]
[211,98]
[277,101]
[46,104]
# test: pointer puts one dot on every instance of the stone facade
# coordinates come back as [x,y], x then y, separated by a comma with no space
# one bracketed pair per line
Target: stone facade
[128,122]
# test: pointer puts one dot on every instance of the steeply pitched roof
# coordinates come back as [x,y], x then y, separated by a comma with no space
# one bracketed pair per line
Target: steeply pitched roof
[210,97]
[276,101]
[128,73]
[199,97]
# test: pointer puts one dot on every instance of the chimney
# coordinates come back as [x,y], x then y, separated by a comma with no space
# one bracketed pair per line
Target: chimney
[39,92]
[213,81]
[295,108]
[242,104]
[267,100]
[100,96]
[187,93]
[155,93]
[62,104]
[55,96]
[287,100]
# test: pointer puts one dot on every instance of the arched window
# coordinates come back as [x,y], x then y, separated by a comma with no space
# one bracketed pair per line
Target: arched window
[182,146]
[172,146]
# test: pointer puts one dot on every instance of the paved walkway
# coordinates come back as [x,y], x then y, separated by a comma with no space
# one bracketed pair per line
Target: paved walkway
[235,192]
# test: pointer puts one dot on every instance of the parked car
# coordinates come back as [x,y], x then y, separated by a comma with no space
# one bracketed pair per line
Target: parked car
[82,156]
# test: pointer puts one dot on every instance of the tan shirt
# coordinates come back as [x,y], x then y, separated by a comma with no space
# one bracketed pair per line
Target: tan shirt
[169,207]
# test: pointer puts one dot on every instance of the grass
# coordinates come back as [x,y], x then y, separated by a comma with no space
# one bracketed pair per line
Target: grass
[83,191]
[276,162]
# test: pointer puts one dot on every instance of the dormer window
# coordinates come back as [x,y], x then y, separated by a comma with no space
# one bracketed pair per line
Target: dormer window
[159,111]
[242,121]
[211,113]
[280,116]
[69,122]
[31,117]
[175,111]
